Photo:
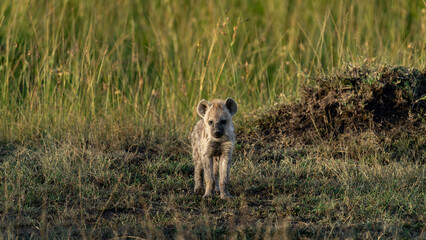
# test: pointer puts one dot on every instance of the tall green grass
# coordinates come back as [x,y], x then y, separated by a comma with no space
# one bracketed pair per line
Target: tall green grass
[76,74]
[128,66]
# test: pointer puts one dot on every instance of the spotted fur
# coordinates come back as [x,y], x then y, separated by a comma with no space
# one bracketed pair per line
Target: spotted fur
[212,144]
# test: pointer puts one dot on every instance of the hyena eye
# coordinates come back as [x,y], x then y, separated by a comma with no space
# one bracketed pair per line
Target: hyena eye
[223,122]
[210,122]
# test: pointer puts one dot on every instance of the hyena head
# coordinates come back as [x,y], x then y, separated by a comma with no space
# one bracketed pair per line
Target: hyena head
[217,115]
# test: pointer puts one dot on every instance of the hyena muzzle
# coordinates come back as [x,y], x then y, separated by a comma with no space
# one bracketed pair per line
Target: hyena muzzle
[212,144]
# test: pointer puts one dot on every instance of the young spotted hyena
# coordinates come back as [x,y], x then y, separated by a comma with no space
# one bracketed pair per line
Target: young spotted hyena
[212,143]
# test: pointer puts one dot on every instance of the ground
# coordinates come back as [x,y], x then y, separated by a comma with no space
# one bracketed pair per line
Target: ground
[345,161]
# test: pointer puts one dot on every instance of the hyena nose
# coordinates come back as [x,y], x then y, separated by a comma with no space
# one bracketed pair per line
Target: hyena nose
[218,134]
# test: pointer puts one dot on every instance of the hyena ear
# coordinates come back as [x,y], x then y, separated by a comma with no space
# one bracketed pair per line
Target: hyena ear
[202,107]
[231,105]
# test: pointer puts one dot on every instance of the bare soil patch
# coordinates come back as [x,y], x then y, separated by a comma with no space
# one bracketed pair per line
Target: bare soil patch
[389,102]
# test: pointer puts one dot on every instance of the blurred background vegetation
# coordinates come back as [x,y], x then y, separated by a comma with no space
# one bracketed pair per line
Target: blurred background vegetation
[99,69]
[97,99]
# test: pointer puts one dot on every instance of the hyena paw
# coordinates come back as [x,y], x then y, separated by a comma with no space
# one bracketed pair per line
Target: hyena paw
[197,189]
[207,195]
[225,196]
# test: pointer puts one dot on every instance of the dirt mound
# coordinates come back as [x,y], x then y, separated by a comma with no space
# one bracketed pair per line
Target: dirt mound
[353,101]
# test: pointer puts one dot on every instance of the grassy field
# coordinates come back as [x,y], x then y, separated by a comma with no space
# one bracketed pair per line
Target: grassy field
[97,100]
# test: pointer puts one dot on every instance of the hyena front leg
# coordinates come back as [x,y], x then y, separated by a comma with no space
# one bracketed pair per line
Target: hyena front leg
[224,164]
[208,175]
[198,176]
[216,173]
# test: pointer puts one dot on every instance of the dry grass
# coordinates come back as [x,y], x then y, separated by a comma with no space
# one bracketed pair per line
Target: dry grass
[60,190]
[364,182]
[97,99]
[67,67]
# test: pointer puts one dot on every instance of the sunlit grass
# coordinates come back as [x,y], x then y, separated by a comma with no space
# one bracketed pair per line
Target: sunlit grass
[68,65]
[97,100]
